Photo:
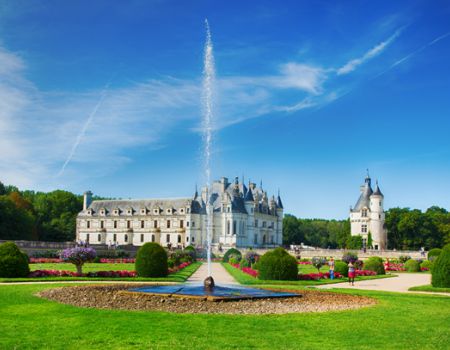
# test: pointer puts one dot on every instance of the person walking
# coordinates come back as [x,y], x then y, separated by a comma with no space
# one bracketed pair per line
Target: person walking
[331,268]
[351,273]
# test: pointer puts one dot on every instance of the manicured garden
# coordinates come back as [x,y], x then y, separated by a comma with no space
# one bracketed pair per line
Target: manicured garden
[398,321]
[430,288]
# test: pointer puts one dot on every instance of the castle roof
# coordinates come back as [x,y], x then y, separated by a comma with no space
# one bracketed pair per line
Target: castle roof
[377,191]
[364,198]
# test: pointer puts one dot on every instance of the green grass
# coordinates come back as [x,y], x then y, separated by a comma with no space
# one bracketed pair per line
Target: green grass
[430,288]
[179,276]
[244,278]
[398,321]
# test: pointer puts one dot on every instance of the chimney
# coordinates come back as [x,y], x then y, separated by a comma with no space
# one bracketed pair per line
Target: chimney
[87,199]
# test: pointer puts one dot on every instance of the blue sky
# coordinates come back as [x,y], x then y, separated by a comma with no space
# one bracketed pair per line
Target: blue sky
[106,96]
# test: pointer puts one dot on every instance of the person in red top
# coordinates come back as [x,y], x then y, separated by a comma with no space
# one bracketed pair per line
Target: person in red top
[351,273]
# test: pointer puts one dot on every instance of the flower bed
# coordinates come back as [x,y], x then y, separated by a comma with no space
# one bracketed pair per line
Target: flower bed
[304,262]
[394,266]
[317,276]
[118,261]
[364,273]
[45,260]
[113,274]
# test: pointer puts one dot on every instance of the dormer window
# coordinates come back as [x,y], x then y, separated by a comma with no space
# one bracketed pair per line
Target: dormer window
[143,211]
[182,211]
[155,211]
[169,211]
[89,212]
[129,211]
[102,211]
[364,213]
[116,211]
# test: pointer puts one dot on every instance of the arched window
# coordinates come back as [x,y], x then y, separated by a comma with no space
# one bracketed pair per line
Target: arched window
[153,238]
[126,238]
[179,238]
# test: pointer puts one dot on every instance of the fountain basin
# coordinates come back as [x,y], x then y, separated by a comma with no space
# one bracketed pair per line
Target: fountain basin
[218,293]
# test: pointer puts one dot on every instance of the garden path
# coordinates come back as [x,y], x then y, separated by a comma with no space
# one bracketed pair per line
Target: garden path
[401,283]
[218,272]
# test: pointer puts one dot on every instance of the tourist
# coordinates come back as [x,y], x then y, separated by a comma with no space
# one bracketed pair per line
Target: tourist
[351,273]
[386,265]
[331,266]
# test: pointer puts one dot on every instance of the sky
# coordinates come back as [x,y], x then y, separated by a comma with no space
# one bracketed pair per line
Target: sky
[106,96]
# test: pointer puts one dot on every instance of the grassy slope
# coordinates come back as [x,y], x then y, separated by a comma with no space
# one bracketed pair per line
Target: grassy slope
[399,321]
[179,276]
[244,278]
[430,288]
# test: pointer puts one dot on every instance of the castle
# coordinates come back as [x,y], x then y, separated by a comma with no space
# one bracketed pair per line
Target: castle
[242,217]
[367,217]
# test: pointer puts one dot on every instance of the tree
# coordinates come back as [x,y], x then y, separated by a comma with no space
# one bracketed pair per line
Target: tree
[2,189]
[354,242]
[369,240]
[78,256]
[291,232]
[15,223]
[318,262]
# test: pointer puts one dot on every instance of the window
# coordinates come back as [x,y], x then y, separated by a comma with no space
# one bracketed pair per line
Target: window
[115,224]
[187,239]
[364,213]
[188,210]
[187,223]
[167,238]
[102,224]
[168,211]
[153,238]
[99,238]
[228,227]
[182,211]
[128,224]
[255,239]
[168,223]
[264,224]
[193,223]
[155,211]
[116,212]
[363,228]
[88,224]
[87,237]
[179,238]
[380,203]
[142,223]
[114,237]
[234,227]
[142,237]
[181,224]
[256,223]
[155,224]
[376,246]
[143,211]
[129,212]
[228,209]
[193,239]
[125,238]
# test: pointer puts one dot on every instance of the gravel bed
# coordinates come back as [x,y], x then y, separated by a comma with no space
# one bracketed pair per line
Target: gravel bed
[116,297]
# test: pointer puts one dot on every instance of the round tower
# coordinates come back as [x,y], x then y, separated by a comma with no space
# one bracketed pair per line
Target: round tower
[377,216]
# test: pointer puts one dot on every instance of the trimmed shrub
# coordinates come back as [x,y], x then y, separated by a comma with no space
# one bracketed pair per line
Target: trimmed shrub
[440,274]
[231,251]
[412,265]
[277,264]
[233,260]
[341,267]
[434,253]
[318,262]
[375,264]
[151,261]
[191,251]
[13,262]
[349,257]
[249,259]
[404,258]
[426,265]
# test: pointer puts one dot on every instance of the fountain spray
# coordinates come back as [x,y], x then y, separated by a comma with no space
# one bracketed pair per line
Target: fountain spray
[207,104]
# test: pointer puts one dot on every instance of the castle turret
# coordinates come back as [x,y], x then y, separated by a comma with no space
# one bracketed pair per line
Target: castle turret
[377,218]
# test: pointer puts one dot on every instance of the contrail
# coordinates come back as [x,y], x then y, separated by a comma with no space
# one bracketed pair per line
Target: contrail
[83,130]
[420,49]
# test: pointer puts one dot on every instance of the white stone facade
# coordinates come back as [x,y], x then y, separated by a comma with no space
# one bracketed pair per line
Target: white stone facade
[242,217]
[368,216]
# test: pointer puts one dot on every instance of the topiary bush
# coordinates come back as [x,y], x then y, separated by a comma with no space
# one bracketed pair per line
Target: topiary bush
[440,274]
[404,258]
[349,257]
[375,264]
[190,250]
[13,262]
[434,253]
[151,261]
[341,267]
[426,265]
[412,266]
[277,264]
[231,251]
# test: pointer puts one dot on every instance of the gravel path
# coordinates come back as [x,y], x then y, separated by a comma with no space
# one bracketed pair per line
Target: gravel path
[401,284]
[220,275]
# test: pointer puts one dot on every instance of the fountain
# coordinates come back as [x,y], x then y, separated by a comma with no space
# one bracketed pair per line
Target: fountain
[210,291]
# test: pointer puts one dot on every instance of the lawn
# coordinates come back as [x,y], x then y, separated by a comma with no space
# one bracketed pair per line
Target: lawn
[430,288]
[179,276]
[244,278]
[399,321]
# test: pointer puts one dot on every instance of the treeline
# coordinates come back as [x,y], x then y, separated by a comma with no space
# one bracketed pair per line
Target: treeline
[30,215]
[408,229]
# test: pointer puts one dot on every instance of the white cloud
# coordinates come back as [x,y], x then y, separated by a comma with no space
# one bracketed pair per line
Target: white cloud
[351,65]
